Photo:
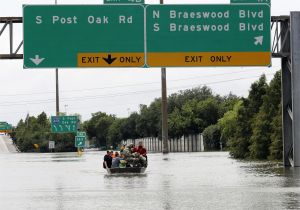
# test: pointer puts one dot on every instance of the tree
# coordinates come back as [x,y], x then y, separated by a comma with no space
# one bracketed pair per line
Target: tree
[149,122]
[276,146]
[257,91]
[238,144]
[115,135]
[101,128]
[177,100]
[260,139]
[129,128]
[228,123]
[262,123]
[176,122]
[211,137]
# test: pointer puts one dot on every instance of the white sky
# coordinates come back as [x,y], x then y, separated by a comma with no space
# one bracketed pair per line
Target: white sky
[115,91]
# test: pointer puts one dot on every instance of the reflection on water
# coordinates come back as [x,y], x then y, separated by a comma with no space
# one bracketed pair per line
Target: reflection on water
[174,181]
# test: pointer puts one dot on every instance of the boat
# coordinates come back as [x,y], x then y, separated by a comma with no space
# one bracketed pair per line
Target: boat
[128,170]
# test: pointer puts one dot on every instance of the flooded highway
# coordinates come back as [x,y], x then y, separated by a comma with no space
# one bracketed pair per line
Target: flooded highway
[207,180]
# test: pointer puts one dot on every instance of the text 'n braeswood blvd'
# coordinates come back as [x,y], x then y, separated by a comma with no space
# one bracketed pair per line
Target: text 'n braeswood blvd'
[150,35]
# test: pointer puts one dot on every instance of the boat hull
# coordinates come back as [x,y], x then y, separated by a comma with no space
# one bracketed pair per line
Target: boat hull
[125,170]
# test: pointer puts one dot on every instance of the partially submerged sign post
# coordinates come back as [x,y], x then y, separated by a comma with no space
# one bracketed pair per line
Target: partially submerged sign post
[80,141]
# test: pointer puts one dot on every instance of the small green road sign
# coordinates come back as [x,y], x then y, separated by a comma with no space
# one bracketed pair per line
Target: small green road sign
[208,35]
[124,1]
[250,2]
[80,141]
[68,36]
[81,133]
[5,127]
[64,124]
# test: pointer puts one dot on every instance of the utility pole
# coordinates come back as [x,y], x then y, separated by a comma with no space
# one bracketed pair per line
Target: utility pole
[164,107]
[57,87]
[57,92]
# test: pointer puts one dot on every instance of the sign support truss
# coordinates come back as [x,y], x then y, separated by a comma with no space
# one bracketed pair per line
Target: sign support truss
[10,21]
[278,40]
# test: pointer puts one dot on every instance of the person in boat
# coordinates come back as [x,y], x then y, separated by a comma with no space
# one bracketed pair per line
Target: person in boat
[107,159]
[127,155]
[112,154]
[140,154]
[116,161]
[123,162]
[123,147]
[141,150]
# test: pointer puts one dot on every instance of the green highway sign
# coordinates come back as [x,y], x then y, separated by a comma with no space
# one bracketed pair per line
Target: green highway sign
[250,2]
[5,127]
[80,141]
[80,133]
[64,124]
[124,1]
[208,35]
[115,35]
[83,36]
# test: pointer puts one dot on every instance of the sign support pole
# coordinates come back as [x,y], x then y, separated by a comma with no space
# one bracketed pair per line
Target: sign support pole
[57,92]
[286,99]
[57,87]
[295,56]
[164,107]
[164,111]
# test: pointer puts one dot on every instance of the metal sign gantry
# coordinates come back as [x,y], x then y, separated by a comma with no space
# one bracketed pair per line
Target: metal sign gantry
[10,21]
[285,33]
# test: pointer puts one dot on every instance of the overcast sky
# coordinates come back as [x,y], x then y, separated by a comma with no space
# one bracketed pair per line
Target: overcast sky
[115,91]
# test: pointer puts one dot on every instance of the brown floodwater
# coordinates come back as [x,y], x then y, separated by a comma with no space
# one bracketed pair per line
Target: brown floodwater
[207,180]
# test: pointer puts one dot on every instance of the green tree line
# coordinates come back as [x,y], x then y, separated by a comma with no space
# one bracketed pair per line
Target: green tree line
[253,128]
[33,135]
[190,112]
[247,127]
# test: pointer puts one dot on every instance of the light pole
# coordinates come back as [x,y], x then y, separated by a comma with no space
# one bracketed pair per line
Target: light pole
[128,111]
[66,105]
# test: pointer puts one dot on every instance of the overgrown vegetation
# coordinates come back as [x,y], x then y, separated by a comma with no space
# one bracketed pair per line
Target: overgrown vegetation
[252,130]
[190,112]
[33,135]
[247,127]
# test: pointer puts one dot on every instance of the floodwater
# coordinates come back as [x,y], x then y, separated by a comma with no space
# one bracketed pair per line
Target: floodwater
[212,180]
